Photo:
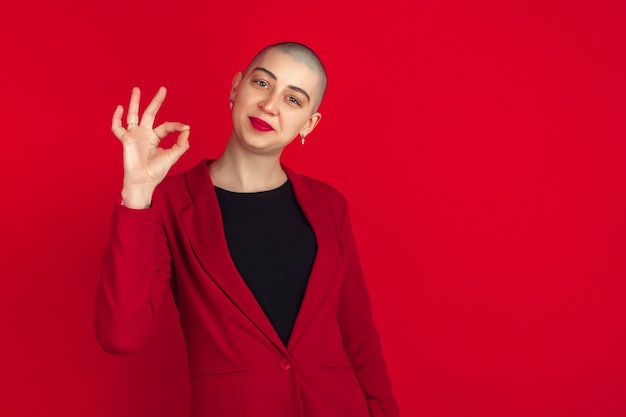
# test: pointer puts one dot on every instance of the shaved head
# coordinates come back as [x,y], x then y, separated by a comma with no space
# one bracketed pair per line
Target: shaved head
[303,54]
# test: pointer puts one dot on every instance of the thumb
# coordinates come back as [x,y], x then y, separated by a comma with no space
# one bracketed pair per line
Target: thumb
[180,147]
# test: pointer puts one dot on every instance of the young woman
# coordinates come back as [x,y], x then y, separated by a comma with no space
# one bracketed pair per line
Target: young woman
[261,261]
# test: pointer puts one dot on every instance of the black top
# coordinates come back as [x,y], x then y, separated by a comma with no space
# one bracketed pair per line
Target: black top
[273,247]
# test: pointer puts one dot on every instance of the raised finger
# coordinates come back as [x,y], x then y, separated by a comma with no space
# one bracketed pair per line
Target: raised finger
[147,119]
[116,122]
[133,107]
[169,127]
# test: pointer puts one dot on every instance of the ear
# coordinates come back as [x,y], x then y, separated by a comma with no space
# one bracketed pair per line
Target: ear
[236,80]
[311,123]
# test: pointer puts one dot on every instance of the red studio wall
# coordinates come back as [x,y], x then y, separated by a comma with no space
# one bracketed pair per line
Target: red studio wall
[480,144]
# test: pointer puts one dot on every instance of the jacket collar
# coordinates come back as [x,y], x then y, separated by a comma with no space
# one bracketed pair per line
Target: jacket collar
[202,221]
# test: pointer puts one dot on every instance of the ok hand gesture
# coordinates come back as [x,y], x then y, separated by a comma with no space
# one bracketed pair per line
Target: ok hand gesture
[145,163]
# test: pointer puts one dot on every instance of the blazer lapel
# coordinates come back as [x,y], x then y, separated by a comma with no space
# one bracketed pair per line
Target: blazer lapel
[326,260]
[203,223]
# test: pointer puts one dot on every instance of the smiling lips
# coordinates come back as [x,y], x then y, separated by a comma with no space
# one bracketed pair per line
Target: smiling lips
[260,125]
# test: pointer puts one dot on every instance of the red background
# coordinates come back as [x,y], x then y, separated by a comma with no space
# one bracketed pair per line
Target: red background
[481,146]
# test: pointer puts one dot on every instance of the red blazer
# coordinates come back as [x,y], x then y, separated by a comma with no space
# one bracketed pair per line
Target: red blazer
[333,365]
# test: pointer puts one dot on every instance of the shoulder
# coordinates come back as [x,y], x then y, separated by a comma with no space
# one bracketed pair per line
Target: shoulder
[322,193]
[322,189]
[181,189]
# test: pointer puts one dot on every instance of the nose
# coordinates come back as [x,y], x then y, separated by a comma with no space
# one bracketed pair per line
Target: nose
[269,104]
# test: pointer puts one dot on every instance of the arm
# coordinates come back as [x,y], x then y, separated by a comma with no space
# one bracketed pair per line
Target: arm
[137,265]
[359,333]
[134,279]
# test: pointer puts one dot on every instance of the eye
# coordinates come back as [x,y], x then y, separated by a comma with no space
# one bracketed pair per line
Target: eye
[294,100]
[261,83]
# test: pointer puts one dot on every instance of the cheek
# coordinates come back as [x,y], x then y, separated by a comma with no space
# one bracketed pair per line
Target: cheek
[291,127]
[238,117]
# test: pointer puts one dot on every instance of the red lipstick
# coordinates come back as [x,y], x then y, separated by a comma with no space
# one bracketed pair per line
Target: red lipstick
[260,125]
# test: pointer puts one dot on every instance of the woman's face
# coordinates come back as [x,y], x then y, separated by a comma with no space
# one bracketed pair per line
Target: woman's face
[274,102]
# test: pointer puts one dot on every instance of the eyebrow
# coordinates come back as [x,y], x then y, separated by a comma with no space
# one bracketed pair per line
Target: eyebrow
[291,87]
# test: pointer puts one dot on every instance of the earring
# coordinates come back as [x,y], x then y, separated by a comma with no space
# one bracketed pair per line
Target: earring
[302,136]
[231,103]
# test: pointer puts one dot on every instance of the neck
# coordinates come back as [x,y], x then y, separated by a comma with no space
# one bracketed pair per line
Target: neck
[246,172]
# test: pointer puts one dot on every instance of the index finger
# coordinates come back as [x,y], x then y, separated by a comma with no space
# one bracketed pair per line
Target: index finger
[147,119]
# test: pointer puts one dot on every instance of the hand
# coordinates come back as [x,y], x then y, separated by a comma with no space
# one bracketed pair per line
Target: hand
[145,163]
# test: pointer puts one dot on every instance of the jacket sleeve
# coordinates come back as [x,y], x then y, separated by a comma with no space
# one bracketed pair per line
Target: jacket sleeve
[135,274]
[360,337]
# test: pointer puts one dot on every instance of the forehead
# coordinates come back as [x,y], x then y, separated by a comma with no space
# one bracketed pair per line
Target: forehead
[287,69]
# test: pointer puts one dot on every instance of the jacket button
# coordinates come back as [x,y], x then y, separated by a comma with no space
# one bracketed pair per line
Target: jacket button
[285,365]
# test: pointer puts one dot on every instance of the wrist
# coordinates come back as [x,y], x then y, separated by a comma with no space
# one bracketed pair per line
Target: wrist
[133,205]
[138,199]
